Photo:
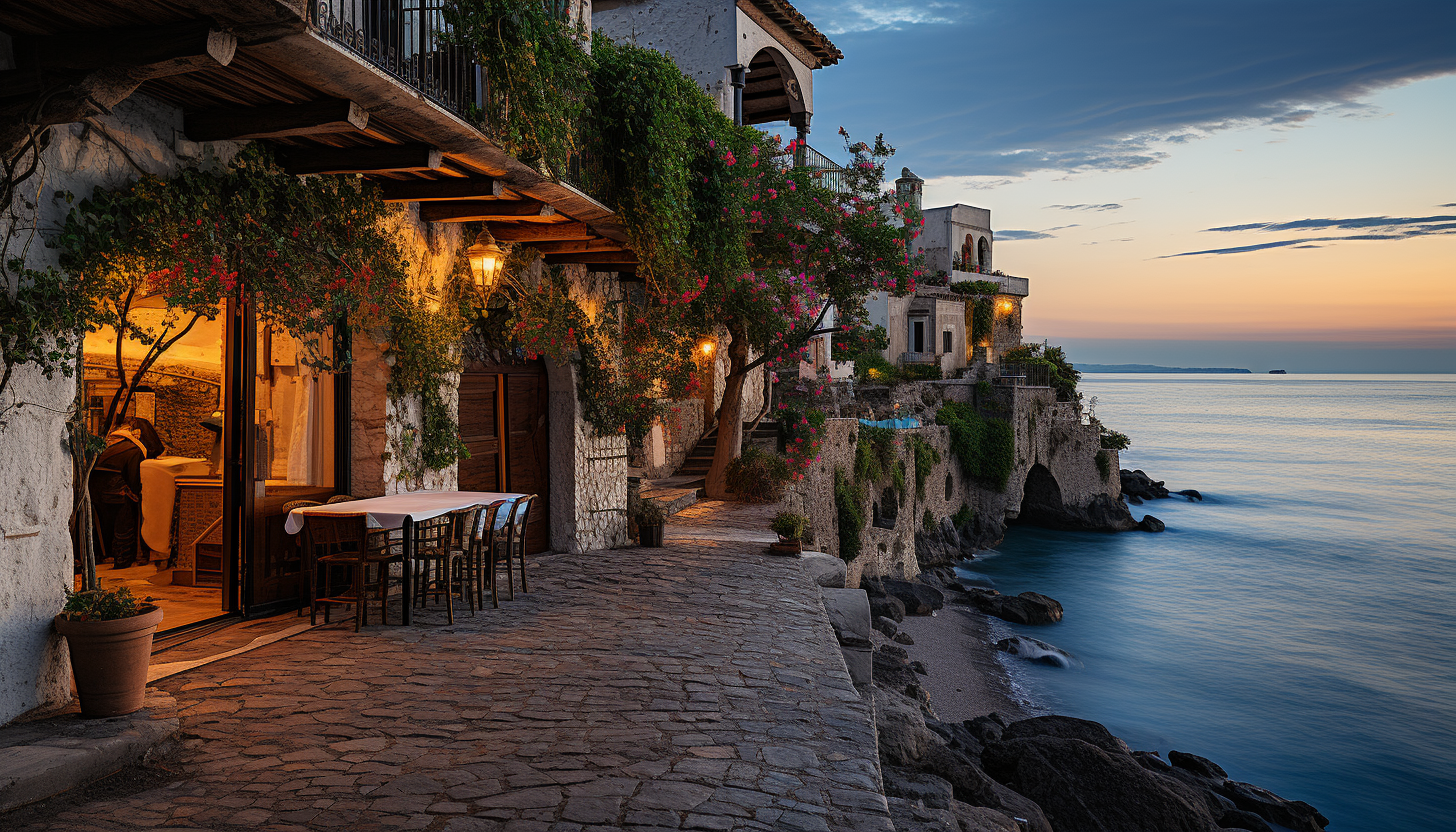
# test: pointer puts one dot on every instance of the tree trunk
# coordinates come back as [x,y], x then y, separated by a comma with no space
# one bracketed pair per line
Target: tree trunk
[730,415]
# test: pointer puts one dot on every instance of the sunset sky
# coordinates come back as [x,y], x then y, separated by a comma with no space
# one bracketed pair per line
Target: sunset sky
[1254,184]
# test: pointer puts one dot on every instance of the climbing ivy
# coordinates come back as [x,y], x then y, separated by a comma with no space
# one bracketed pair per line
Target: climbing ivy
[850,514]
[985,448]
[926,458]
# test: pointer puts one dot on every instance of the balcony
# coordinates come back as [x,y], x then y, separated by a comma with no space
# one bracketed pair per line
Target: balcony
[1024,375]
[825,171]
[1019,286]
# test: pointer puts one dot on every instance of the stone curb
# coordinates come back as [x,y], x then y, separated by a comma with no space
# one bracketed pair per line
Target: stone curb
[44,758]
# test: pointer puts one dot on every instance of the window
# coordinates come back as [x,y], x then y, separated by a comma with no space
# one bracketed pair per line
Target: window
[945,340]
[917,336]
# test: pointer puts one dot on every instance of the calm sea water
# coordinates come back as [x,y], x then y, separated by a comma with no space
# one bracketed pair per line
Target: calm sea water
[1297,627]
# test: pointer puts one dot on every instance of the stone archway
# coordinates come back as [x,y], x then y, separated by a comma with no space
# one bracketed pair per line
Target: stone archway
[1041,499]
[983,254]
[772,91]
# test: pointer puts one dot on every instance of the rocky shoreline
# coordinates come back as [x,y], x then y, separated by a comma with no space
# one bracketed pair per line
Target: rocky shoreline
[961,752]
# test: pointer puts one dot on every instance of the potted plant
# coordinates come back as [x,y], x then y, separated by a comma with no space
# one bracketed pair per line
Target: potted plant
[792,529]
[109,635]
[650,521]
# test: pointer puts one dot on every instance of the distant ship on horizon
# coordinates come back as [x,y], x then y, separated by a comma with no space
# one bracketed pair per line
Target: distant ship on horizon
[1277,373]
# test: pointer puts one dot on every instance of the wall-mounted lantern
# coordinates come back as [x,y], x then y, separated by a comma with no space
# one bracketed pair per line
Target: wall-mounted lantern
[486,261]
[707,347]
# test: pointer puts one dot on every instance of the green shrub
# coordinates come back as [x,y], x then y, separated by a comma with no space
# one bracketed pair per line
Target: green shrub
[920,372]
[875,368]
[963,515]
[104,605]
[927,521]
[1063,376]
[983,390]
[926,458]
[758,476]
[874,455]
[849,511]
[985,448]
[1104,465]
[1113,440]
[790,525]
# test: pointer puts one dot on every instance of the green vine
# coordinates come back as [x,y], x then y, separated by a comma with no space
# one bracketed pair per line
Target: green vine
[874,454]
[985,448]
[849,514]
[926,458]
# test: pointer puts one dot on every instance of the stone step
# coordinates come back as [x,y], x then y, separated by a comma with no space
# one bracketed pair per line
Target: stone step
[672,500]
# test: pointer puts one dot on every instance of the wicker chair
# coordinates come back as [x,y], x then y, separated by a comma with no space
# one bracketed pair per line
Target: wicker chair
[340,498]
[346,540]
[477,549]
[300,544]
[513,545]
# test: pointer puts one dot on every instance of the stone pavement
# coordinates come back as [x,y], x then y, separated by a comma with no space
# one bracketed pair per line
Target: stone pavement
[697,686]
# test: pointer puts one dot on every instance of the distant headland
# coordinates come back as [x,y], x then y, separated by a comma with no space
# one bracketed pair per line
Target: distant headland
[1153,368]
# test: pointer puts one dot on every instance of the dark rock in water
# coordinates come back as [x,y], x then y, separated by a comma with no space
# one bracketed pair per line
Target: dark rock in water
[945,544]
[1140,485]
[892,650]
[1083,788]
[967,582]
[920,668]
[1042,505]
[940,577]
[971,785]
[903,637]
[1293,814]
[1201,766]
[1151,761]
[1239,819]
[886,626]
[1191,495]
[883,606]
[1026,608]
[1067,728]
[1037,651]
[1149,523]
[1133,499]
[918,598]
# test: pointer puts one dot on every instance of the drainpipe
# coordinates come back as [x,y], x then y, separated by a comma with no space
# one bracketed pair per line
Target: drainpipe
[738,77]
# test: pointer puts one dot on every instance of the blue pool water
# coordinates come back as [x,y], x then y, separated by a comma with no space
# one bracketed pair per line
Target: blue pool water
[1297,626]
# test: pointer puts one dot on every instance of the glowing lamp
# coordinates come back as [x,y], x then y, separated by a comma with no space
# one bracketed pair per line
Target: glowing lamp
[486,260]
[707,347]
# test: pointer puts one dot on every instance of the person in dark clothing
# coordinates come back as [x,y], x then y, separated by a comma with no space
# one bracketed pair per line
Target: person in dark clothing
[116,488]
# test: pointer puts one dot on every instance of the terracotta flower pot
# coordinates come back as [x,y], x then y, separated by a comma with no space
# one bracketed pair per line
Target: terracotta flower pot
[788,546]
[109,660]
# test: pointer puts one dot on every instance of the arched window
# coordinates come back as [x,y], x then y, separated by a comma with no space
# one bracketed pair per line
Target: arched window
[968,254]
[983,255]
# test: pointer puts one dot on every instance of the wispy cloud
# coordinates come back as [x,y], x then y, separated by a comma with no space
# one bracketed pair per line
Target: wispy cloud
[1374,228]
[1012,235]
[1106,206]
[1000,88]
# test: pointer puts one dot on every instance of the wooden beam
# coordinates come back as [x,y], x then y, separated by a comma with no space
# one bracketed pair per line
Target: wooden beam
[384,158]
[147,51]
[578,246]
[427,190]
[524,210]
[534,232]
[625,258]
[311,118]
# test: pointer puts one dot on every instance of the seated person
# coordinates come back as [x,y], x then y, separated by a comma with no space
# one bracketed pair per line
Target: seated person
[116,487]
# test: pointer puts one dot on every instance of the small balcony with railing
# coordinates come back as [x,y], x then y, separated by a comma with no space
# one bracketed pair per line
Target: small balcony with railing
[1023,375]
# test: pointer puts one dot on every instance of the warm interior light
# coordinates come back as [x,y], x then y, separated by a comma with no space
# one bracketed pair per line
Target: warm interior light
[707,347]
[486,260]
[1005,306]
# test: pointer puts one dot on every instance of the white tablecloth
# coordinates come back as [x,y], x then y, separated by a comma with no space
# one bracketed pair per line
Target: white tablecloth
[390,512]
[159,492]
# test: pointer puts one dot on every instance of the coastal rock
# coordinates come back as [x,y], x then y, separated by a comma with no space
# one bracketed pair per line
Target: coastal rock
[1149,523]
[959,736]
[825,570]
[1142,486]
[1066,728]
[1190,494]
[918,598]
[916,785]
[1151,761]
[973,786]
[903,737]
[1026,608]
[894,673]
[886,626]
[883,606]
[945,543]
[981,819]
[1292,814]
[903,637]
[1034,650]
[1042,505]
[1133,499]
[919,668]
[1201,766]
[987,729]
[1083,788]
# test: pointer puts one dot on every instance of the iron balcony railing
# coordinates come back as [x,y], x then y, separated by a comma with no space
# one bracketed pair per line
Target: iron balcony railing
[919,358]
[404,39]
[1024,375]
[826,172]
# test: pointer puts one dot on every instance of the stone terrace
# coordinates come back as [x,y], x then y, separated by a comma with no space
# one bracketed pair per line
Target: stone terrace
[697,686]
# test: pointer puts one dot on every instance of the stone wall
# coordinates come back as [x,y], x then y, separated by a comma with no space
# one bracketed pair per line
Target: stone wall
[139,136]
[1006,325]
[1050,438]
[670,441]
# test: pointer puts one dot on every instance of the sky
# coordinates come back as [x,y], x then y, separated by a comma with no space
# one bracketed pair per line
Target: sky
[1256,184]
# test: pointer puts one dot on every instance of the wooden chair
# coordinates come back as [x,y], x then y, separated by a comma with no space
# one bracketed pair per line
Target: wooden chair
[477,550]
[513,545]
[300,543]
[435,553]
[340,498]
[345,540]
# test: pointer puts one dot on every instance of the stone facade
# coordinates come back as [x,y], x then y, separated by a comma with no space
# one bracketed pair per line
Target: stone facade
[1050,437]
[957,233]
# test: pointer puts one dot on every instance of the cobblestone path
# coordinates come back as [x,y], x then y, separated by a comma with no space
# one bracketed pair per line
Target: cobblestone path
[693,687]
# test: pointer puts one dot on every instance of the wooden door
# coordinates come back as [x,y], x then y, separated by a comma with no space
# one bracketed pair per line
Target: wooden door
[504,424]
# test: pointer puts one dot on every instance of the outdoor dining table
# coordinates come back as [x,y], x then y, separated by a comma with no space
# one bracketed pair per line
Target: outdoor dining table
[401,511]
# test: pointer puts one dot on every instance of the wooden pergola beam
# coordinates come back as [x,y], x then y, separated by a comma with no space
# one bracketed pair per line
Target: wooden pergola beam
[310,118]
[146,51]
[578,246]
[541,232]
[625,258]
[384,158]
[428,190]
[524,210]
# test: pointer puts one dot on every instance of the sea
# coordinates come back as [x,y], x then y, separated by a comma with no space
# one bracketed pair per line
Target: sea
[1297,626]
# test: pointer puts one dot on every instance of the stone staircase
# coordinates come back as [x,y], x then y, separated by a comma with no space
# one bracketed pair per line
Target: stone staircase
[701,457]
